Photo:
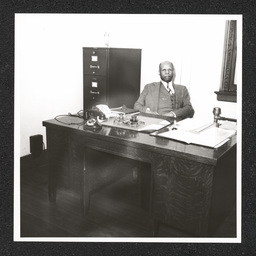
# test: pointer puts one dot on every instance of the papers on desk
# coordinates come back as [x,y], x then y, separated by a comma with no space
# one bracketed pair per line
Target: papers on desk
[227,125]
[193,124]
[112,114]
[127,111]
[155,127]
[206,134]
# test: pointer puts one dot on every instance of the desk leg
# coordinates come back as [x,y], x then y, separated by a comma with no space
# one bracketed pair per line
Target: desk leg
[85,196]
[51,187]
[52,176]
[85,199]
[155,226]
[51,153]
[145,181]
[57,156]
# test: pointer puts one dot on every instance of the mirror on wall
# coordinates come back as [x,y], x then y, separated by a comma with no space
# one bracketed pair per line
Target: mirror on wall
[228,91]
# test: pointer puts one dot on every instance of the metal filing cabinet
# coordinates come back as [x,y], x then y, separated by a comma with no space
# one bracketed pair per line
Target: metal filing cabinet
[111,76]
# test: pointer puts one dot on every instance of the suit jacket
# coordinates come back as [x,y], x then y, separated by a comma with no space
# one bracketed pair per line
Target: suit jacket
[150,96]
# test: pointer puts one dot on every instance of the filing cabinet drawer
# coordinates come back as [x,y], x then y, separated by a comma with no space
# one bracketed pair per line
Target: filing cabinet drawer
[95,61]
[94,101]
[95,90]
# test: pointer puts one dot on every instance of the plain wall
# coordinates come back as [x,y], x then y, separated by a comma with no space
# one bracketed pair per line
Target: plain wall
[48,60]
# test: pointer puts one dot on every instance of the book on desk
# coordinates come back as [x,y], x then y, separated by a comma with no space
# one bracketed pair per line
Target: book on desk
[199,132]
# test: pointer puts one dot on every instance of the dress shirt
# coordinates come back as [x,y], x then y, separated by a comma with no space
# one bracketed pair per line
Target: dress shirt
[170,87]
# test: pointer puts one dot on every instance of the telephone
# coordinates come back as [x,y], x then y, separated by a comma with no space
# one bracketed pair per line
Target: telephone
[104,109]
[93,113]
[95,116]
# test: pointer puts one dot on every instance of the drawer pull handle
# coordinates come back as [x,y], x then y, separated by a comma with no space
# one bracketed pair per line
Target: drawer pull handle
[97,66]
[91,92]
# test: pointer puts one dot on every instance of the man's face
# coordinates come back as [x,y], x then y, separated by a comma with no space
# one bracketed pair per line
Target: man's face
[166,72]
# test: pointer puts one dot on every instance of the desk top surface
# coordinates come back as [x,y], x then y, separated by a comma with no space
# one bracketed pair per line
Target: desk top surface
[142,140]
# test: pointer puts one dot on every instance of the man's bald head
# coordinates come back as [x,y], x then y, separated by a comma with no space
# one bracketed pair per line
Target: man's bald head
[166,71]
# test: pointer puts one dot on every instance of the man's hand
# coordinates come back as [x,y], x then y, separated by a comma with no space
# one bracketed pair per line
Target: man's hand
[171,114]
[151,112]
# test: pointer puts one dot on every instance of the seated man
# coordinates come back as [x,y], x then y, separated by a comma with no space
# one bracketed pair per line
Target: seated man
[165,97]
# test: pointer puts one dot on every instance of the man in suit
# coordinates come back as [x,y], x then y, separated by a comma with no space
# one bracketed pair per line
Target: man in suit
[165,97]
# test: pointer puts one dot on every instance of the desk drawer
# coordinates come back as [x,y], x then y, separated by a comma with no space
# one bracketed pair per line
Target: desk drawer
[95,61]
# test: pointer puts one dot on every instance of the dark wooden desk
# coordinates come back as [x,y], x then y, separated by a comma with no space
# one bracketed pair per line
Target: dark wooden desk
[192,187]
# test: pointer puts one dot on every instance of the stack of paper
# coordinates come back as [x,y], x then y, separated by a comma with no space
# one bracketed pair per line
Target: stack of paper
[202,134]
[155,127]
[194,124]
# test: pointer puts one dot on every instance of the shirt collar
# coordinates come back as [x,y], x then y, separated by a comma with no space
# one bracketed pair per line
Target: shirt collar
[170,85]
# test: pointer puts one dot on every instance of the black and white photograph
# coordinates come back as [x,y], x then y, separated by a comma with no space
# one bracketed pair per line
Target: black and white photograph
[128,128]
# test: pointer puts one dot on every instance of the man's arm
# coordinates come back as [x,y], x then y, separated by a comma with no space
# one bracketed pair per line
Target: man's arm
[186,109]
[140,103]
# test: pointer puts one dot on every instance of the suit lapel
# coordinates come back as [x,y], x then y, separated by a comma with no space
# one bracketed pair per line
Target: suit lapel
[157,92]
[177,94]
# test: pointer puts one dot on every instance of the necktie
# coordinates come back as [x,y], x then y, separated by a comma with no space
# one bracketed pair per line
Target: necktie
[168,88]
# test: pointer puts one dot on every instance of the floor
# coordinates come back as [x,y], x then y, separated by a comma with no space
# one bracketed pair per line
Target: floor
[114,211]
